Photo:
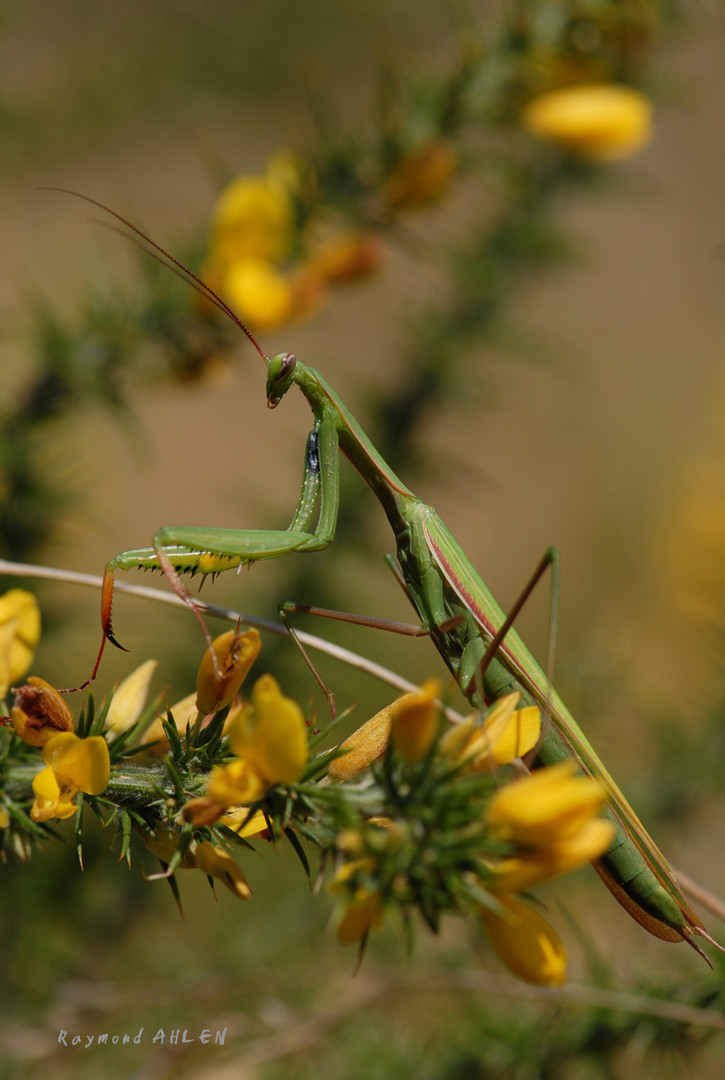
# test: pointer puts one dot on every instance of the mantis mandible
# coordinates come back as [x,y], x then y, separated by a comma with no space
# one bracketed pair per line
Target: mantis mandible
[454,606]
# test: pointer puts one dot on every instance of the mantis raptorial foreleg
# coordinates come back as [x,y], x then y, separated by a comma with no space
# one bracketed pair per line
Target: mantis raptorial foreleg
[198,550]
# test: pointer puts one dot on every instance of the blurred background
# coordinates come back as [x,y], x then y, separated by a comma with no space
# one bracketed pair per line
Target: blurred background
[590,417]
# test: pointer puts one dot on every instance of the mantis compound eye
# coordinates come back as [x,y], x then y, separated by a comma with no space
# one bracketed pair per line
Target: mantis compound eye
[280,377]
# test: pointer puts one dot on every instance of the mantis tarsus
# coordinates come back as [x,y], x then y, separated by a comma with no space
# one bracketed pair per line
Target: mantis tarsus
[451,600]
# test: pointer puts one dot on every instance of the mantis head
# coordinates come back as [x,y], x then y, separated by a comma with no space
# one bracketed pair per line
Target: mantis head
[280,376]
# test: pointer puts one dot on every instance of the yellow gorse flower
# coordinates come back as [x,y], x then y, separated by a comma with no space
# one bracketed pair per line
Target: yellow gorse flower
[525,942]
[412,718]
[530,867]
[551,803]
[260,292]
[72,765]
[364,746]
[551,818]
[270,735]
[259,260]
[363,909]
[205,856]
[252,238]
[19,636]
[506,733]
[253,219]
[603,121]
[236,784]
[239,821]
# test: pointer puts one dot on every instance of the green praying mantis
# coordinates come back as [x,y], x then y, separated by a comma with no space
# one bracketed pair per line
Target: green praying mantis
[456,609]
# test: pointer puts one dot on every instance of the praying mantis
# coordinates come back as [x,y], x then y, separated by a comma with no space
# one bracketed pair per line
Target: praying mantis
[476,640]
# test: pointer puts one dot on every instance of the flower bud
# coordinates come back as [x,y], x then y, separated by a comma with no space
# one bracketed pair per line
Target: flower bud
[129,698]
[423,176]
[217,863]
[40,712]
[347,256]
[217,684]
[602,121]
[523,939]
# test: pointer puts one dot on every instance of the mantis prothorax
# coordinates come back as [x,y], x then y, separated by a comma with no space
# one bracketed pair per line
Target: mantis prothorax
[451,600]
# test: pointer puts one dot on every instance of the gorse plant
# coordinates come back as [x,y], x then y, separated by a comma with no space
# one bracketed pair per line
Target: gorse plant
[437,827]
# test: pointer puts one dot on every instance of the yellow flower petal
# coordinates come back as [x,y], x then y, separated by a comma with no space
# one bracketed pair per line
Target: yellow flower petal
[253,218]
[517,735]
[54,797]
[602,121]
[163,845]
[367,743]
[258,291]
[217,863]
[528,946]
[129,698]
[235,654]
[239,821]
[84,763]
[184,713]
[549,805]
[453,742]
[521,872]
[506,733]
[415,721]
[239,783]
[271,735]
[19,635]
[363,914]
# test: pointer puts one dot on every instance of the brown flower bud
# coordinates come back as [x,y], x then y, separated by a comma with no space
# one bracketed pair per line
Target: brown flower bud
[217,683]
[40,712]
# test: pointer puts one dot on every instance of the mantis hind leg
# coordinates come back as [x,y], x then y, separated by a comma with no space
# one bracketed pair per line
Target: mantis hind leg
[478,657]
